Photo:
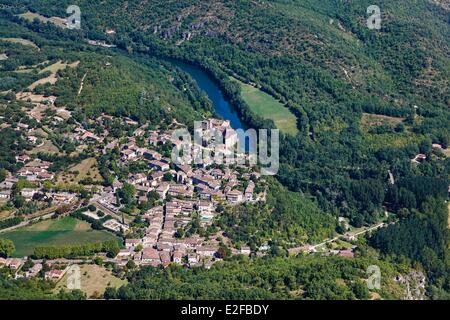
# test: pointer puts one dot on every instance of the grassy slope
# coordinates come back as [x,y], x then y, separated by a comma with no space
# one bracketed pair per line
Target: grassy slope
[87,168]
[94,280]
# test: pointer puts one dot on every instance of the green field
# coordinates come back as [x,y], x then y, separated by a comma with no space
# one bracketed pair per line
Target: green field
[268,107]
[65,231]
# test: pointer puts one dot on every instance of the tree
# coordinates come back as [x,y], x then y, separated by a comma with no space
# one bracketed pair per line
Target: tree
[10,96]
[71,295]
[131,265]
[28,265]
[113,252]
[425,146]
[360,290]
[152,197]
[3,174]
[98,261]
[407,199]
[179,233]
[223,252]
[7,247]
[110,293]
[168,176]
[127,193]
[18,201]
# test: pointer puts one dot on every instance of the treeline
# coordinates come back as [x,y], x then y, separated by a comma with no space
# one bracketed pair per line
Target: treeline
[11,222]
[410,192]
[51,252]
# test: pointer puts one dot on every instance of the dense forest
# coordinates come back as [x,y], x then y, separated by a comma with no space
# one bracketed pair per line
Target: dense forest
[422,236]
[261,278]
[285,218]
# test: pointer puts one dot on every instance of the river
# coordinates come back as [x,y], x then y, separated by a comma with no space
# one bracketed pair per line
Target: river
[212,89]
[205,82]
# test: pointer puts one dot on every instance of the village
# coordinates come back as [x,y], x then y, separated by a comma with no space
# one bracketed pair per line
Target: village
[167,198]
[182,195]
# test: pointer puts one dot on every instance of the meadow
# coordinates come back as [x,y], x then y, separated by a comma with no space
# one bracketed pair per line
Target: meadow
[268,107]
[64,231]
[94,280]
[88,168]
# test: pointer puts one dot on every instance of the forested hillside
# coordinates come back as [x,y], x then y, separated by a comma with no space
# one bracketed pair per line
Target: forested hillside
[269,278]
[322,61]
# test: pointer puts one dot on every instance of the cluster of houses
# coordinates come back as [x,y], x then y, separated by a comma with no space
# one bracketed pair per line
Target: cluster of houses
[16,264]
[160,246]
[184,191]
[36,172]
[13,263]
[6,188]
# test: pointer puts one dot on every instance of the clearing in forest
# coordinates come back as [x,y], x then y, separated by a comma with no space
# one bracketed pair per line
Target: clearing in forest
[268,107]
[30,16]
[369,120]
[46,147]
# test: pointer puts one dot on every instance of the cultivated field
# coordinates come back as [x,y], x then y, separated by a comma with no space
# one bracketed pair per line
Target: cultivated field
[64,231]
[94,280]
[267,107]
